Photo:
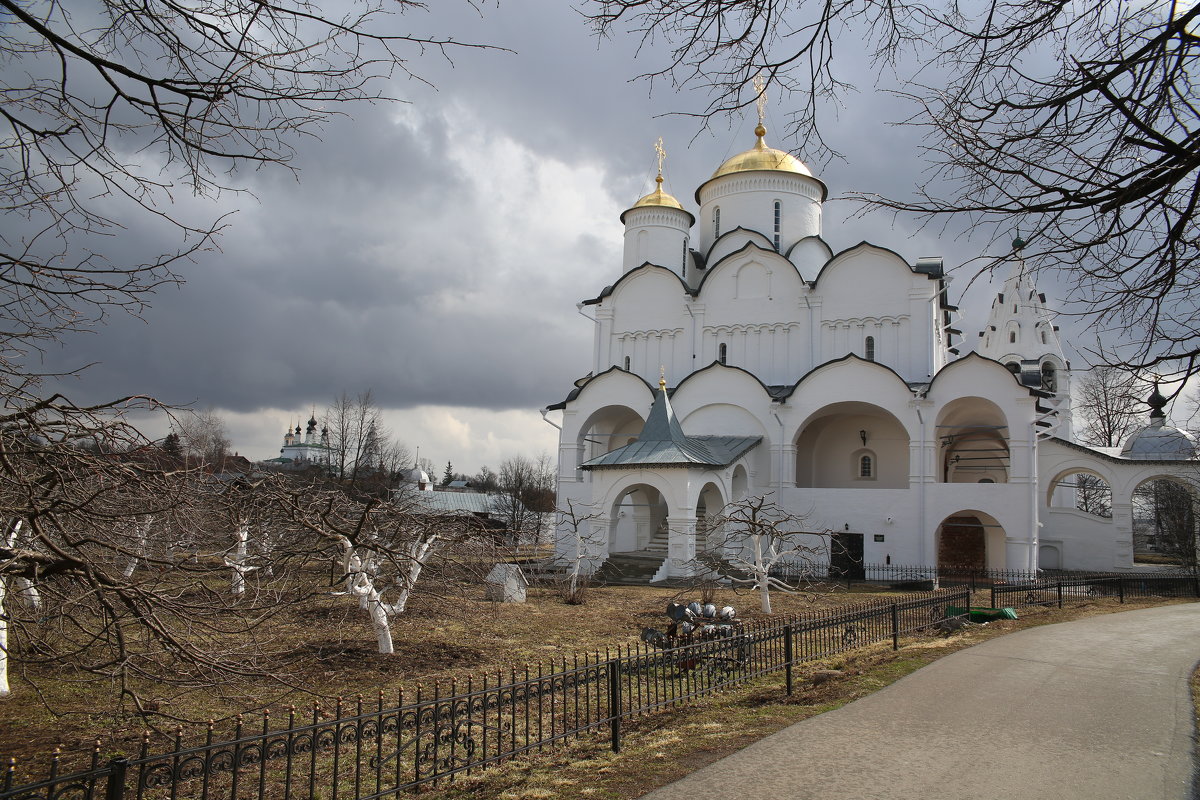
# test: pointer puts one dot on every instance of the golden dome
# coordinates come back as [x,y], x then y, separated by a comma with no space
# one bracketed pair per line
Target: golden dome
[761,157]
[658,198]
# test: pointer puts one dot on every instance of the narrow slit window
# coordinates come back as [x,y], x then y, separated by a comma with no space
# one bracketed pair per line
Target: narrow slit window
[626,363]
[722,352]
[870,348]
[778,219]
[716,223]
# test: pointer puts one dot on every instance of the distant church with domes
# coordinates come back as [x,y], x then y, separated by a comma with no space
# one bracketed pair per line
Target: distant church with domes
[737,355]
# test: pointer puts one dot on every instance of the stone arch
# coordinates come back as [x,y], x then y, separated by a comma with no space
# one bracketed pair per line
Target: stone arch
[606,429]
[740,483]
[709,505]
[1080,489]
[638,519]
[752,281]
[1166,517]
[970,538]
[830,443]
[973,441]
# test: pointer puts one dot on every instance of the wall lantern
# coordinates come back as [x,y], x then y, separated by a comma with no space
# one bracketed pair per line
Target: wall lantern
[863,435]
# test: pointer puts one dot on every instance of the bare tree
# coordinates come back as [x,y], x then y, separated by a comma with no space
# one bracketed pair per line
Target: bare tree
[112,107]
[577,551]
[1075,123]
[382,545]
[1107,407]
[202,435]
[362,448]
[118,549]
[525,496]
[766,548]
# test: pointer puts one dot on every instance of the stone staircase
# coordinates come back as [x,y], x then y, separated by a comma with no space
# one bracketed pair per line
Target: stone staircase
[630,569]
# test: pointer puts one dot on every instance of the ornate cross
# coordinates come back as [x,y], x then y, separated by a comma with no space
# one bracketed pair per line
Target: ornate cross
[760,89]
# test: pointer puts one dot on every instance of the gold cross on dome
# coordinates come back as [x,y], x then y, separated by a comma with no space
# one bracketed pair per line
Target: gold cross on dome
[760,89]
[662,154]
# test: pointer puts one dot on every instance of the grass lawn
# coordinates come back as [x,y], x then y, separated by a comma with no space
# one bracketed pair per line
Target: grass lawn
[326,650]
[330,653]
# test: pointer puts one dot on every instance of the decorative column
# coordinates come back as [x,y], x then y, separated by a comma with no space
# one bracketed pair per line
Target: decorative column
[681,544]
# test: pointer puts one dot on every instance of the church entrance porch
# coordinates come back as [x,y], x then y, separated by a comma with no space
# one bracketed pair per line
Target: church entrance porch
[638,536]
[971,540]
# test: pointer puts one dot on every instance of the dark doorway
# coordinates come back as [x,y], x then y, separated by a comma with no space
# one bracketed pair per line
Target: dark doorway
[846,556]
[962,543]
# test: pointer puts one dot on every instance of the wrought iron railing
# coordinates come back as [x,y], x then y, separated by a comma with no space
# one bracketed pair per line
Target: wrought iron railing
[365,750]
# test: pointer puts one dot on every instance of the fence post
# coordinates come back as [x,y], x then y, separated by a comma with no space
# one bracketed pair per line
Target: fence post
[895,626]
[1059,582]
[117,767]
[993,596]
[614,703]
[787,656]
[1121,588]
[1196,580]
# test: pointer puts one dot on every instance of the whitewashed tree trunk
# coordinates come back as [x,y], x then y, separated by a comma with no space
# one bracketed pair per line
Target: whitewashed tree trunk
[4,688]
[762,575]
[26,590]
[238,562]
[142,535]
[362,572]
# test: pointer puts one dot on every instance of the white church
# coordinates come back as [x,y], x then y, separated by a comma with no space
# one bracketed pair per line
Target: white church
[737,355]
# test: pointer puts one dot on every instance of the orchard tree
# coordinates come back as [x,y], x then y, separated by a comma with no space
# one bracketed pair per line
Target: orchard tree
[766,548]
[113,110]
[1075,123]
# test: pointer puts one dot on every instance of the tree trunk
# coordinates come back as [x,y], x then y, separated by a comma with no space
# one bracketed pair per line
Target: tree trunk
[4,690]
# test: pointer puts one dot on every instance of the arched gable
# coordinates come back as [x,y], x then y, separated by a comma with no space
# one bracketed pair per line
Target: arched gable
[735,240]
[976,374]
[870,277]
[613,387]
[850,377]
[633,275]
[809,255]
[648,298]
[750,287]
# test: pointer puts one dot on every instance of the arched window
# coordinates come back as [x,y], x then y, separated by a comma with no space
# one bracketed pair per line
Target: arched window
[717,222]
[866,466]
[986,480]
[1013,367]
[870,348]
[1043,336]
[1049,377]
[683,261]
[626,363]
[1012,337]
[722,352]
[778,219]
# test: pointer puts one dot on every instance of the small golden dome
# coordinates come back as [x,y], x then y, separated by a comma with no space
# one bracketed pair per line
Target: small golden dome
[658,198]
[761,157]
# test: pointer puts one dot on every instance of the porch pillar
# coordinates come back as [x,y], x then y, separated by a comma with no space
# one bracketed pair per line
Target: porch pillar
[681,544]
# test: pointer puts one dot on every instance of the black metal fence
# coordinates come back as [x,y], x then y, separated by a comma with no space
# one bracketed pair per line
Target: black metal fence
[980,579]
[1054,589]
[365,750]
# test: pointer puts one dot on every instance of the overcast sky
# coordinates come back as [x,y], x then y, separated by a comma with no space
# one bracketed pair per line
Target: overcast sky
[434,251]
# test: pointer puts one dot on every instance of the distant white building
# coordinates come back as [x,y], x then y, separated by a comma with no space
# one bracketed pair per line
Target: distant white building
[301,451]
[833,382]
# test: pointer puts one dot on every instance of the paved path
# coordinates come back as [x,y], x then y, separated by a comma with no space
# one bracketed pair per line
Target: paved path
[1093,709]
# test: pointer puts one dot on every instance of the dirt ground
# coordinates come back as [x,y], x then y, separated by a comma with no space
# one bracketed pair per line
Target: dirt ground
[328,651]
